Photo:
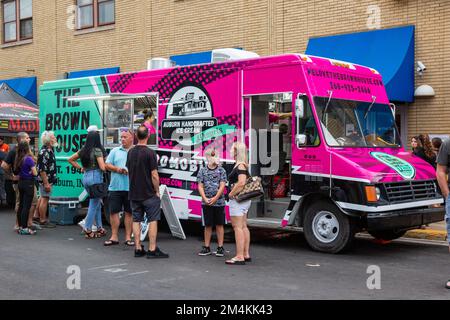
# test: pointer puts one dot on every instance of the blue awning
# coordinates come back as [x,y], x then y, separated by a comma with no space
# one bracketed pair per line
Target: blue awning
[389,51]
[93,72]
[26,87]
[192,58]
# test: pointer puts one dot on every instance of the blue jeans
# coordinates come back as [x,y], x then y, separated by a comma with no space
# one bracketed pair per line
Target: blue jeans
[95,205]
[447,217]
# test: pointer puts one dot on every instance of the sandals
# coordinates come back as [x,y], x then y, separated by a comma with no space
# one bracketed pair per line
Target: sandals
[235,261]
[129,243]
[101,232]
[108,243]
[90,234]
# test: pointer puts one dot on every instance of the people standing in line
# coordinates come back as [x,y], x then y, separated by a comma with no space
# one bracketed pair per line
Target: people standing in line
[144,193]
[2,178]
[423,152]
[25,168]
[443,164]
[430,156]
[92,157]
[3,146]
[238,210]
[4,149]
[149,120]
[46,166]
[211,184]
[8,165]
[436,143]
[118,189]
[417,148]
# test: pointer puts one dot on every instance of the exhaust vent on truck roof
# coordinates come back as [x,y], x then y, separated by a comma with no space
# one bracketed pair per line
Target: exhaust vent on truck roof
[159,63]
[227,54]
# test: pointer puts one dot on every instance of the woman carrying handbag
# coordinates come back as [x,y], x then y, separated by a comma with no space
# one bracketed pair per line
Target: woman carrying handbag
[238,210]
[92,157]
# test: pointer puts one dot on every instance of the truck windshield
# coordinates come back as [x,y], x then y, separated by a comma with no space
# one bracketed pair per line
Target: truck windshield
[349,123]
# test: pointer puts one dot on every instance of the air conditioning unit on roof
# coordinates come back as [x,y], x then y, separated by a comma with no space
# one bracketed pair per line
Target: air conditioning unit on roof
[159,63]
[227,54]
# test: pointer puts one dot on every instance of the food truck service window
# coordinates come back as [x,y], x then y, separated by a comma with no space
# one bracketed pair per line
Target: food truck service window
[117,114]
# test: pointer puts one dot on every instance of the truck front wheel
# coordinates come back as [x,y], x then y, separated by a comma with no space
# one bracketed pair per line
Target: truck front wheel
[327,229]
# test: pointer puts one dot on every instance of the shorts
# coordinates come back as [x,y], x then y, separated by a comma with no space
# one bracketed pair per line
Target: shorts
[16,191]
[150,207]
[43,193]
[213,216]
[239,209]
[118,201]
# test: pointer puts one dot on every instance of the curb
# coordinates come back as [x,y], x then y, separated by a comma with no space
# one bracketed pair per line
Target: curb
[429,234]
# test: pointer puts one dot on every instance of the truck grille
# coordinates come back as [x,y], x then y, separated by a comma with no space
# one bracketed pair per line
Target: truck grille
[410,191]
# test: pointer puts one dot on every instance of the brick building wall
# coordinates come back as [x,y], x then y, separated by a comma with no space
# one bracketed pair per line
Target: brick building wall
[160,28]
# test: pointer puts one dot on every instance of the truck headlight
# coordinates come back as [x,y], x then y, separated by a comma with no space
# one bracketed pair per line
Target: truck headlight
[372,193]
[378,193]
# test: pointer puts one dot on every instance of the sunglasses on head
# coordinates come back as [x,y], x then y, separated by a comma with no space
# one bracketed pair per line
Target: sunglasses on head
[125,130]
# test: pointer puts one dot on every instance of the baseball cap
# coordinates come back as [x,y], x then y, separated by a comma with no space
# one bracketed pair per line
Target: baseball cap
[93,128]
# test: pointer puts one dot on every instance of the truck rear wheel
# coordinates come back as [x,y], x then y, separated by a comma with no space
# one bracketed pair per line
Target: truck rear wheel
[327,229]
[387,234]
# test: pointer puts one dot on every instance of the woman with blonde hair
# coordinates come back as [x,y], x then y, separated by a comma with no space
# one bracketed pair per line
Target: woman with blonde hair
[238,210]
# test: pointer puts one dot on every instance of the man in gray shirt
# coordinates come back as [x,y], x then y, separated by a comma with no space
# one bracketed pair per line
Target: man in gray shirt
[443,164]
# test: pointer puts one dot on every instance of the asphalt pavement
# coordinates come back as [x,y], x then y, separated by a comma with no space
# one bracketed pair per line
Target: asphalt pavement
[283,267]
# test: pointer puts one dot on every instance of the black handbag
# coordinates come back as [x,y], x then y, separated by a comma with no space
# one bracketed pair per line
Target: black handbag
[99,190]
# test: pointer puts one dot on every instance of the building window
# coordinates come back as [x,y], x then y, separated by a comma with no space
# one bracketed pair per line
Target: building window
[94,13]
[17,20]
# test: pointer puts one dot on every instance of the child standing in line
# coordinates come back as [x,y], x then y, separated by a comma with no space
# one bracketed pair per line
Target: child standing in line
[211,184]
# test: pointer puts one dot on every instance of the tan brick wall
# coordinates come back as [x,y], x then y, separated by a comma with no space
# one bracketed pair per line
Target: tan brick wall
[154,28]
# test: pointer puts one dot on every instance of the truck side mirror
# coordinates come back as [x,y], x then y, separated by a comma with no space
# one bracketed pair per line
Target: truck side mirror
[392,106]
[300,108]
[300,139]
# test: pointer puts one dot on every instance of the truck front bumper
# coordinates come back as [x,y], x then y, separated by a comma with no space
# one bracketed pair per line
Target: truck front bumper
[404,219]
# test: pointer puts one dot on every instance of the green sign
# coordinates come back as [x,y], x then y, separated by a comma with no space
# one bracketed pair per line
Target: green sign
[213,133]
[69,120]
[402,167]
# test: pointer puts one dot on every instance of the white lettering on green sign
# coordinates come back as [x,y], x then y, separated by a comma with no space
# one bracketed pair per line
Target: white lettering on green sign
[402,167]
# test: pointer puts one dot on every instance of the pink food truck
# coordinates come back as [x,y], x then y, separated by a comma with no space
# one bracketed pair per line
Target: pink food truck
[320,132]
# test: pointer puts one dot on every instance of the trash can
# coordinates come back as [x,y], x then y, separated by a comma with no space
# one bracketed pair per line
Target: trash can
[63,211]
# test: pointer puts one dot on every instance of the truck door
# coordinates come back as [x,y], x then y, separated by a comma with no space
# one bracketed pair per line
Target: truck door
[308,162]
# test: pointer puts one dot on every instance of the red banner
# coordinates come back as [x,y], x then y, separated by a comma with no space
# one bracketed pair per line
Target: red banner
[29,126]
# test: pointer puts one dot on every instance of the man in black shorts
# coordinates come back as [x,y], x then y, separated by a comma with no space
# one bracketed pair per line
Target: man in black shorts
[144,193]
[118,189]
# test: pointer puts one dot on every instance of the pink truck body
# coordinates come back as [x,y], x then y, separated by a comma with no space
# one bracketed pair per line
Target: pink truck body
[214,105]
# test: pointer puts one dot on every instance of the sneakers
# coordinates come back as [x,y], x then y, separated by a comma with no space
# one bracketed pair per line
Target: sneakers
[26,231]
[82,225]
[206,251]
[139,253]
[156,254]
[220,252]
[35,227]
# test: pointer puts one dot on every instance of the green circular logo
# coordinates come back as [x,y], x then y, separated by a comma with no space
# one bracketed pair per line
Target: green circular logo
[402,167]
